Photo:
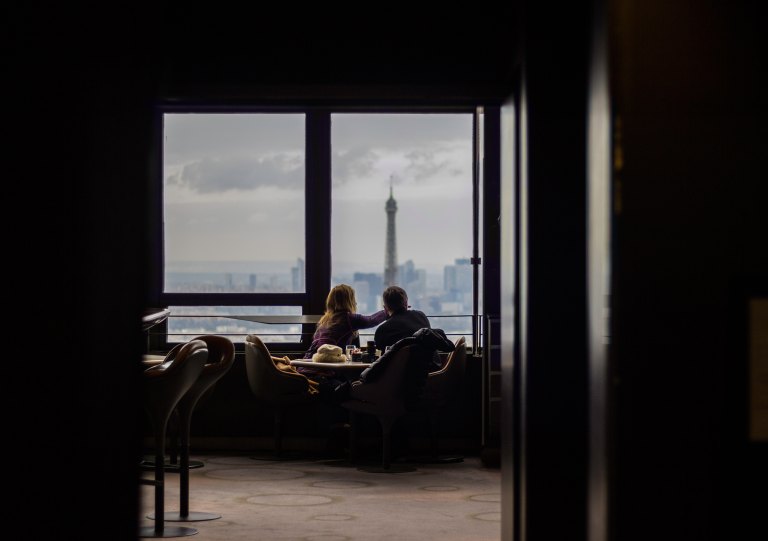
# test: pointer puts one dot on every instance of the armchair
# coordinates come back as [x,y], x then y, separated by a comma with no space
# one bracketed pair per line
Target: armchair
[273,386]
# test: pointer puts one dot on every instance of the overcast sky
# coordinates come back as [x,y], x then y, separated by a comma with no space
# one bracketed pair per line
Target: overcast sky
[234,185]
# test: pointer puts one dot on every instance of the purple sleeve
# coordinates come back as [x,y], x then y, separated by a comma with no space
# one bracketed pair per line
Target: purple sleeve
[359,321]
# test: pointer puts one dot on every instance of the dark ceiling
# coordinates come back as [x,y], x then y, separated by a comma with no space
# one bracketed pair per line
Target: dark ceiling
[398,51]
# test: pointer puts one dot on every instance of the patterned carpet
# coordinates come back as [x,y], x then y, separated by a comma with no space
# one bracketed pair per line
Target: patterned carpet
[333,500]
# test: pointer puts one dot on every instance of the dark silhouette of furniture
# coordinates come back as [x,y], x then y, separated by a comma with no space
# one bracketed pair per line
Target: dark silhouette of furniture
[221,356]
[278,388]
[385,398]
[442,389]
[164,385]
[154,317]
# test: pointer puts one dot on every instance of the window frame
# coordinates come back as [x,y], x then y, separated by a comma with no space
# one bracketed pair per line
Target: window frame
[317,234]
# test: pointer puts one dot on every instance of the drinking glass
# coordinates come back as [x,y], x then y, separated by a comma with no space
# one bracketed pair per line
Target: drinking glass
[350,349]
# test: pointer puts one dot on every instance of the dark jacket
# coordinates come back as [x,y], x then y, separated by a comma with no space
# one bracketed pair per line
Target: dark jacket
[398,326]
[428,342]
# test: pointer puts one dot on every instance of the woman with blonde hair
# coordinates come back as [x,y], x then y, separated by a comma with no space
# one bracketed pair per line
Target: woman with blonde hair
[340,322]
[337,327]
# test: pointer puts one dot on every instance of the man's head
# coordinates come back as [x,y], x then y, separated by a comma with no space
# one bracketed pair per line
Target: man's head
[395,300]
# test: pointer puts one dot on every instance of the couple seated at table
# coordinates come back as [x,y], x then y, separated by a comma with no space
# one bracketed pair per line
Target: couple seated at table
[340,324]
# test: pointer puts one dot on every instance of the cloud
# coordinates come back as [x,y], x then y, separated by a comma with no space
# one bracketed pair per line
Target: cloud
[209,154]
[402,167]
[243,172]
[424,164]
[352,164]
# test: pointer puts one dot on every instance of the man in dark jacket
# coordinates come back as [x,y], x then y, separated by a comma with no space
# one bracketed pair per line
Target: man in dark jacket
[401,322]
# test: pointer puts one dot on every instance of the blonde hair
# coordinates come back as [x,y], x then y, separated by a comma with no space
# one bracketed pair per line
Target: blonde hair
[340,300]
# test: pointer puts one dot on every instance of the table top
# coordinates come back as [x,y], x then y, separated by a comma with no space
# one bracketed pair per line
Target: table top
[339,367]
[153,317]
[152,360]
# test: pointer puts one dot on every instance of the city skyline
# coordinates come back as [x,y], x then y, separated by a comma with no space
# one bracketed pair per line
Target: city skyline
[449,302]
[289,272]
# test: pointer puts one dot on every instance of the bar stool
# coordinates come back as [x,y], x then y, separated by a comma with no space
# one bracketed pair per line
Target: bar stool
[164,386]
[221,356]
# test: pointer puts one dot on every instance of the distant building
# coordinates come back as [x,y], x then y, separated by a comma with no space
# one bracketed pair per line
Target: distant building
[413,280]
[368,288]
[457,280]
[297,276]
[252,282]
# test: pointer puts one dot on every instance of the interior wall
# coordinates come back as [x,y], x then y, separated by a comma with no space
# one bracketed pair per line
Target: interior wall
[545,343]
[80,125]
[690,229]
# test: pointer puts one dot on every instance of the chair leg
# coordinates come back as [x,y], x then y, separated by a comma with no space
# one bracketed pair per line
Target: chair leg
[184,470]
[433,420]
[386,441]
[173,439]
[278,431]
[277,452]
[184,514]
[433,437]
[352,437]
[172,449]
[387,423]
[159,529]
[159,482]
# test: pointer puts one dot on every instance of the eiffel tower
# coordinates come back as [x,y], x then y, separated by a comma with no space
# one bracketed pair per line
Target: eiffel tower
[390,259]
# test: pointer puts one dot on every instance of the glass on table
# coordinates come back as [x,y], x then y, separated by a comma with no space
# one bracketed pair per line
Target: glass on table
[350,351]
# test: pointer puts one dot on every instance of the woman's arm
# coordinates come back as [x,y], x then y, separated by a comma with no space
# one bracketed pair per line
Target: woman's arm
[359,321]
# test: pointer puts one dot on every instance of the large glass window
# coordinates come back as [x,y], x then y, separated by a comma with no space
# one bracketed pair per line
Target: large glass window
[233,203]
[402,212]
[263,212]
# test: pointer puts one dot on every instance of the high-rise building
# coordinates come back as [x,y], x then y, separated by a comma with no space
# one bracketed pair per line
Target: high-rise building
[413,280]
[368,289]
[297,276]
[390,261]
[457,280]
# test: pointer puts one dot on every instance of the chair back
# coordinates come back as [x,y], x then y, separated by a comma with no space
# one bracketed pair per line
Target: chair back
[444,383]
[221,357]
[166,383]
[387,394]
[266,381]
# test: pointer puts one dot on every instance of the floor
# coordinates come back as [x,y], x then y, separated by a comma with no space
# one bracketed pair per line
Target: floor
[331,499]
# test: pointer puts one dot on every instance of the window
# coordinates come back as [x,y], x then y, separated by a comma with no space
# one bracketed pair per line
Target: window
[262,212]
[402,212]
[233,203]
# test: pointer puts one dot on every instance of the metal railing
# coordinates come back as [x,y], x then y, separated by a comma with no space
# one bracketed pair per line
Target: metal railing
[280,329]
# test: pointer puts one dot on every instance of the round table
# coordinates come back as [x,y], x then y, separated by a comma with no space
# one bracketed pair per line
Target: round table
[350,371]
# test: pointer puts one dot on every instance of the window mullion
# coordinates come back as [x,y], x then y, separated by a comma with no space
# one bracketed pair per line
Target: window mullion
[318,209]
